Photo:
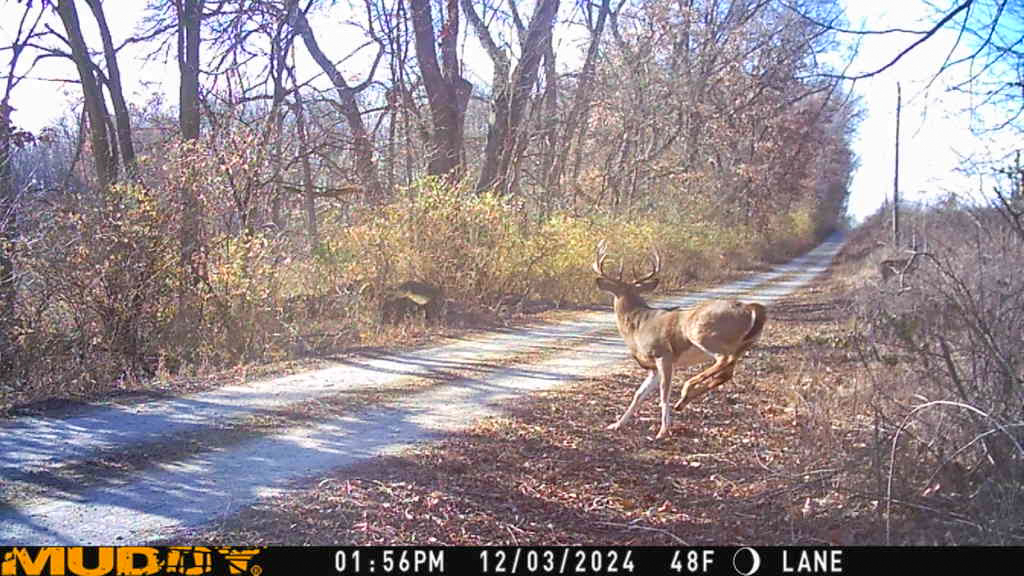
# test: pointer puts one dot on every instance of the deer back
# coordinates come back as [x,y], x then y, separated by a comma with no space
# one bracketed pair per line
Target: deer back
[719,326]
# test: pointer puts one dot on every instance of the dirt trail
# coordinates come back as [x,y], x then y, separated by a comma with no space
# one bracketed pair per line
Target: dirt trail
[167,497]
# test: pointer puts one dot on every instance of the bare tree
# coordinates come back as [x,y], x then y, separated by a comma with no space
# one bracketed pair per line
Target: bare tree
[281,40]
[366,166]
[104,159]
[122,120]
[575,126]
[447,91]
[506,134]
[189,15]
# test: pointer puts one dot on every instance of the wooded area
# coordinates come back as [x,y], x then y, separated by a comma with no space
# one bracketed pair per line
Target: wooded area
[266,213]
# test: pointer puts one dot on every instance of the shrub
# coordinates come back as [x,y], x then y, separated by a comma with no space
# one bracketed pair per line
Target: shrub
[952,394]
[98,291]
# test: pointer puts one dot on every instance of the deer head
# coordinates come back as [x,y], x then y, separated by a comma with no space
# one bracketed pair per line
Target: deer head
[621,289]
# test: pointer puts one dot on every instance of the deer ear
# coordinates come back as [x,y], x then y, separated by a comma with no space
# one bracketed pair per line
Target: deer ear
[646,285]
[606,285]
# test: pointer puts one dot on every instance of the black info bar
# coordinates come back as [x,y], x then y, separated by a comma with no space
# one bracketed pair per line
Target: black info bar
[500,560]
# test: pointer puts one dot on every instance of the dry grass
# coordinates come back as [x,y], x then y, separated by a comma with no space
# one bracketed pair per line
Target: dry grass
[941,347]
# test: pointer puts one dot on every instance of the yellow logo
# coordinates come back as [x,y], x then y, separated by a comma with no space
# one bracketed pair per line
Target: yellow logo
[126,561]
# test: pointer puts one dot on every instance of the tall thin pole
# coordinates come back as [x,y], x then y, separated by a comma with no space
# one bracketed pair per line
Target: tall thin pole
[896,176]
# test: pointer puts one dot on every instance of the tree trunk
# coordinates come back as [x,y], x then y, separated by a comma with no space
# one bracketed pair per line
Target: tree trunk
[8,235]
[896,175]
[190,13]
[122,119]
[576,122]
[366,166]
[309,194]
[278,62]
[505,133]
[96,110]
[189,21]
[548,121]
[447,91]
[8,193]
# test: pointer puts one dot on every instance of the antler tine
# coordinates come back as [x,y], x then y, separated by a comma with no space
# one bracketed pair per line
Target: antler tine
[656,260]
[602,253]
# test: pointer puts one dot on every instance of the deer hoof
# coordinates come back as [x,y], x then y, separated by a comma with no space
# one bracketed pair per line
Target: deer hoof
[662,434]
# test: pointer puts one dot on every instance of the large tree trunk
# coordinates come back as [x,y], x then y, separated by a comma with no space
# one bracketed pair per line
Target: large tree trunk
[447,91]
[504,135]
[190,14]
[122,120]
[366,166]
[96,110]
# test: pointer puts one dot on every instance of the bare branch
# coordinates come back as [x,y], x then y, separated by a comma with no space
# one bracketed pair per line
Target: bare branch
[931,32]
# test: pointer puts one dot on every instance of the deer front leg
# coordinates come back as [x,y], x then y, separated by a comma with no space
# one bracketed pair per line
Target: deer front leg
[642,392]
[665,371]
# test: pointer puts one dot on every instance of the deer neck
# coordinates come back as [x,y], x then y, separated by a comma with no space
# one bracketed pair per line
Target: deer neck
[630,313]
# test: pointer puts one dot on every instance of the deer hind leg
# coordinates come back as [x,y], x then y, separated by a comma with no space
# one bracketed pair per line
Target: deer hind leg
[718,374]
[723,375]
[642,392]
[706,380]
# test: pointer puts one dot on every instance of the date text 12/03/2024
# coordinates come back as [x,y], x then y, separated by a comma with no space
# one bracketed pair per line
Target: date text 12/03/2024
[556,561]
[512,560]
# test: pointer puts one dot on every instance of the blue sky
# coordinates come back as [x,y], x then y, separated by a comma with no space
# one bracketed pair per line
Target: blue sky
[935,131]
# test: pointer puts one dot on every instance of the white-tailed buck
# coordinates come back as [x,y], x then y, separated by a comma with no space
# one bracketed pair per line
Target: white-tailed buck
[662,339]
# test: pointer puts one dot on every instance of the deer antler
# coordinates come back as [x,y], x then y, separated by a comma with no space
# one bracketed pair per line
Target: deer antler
[655,259]
[598,265]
